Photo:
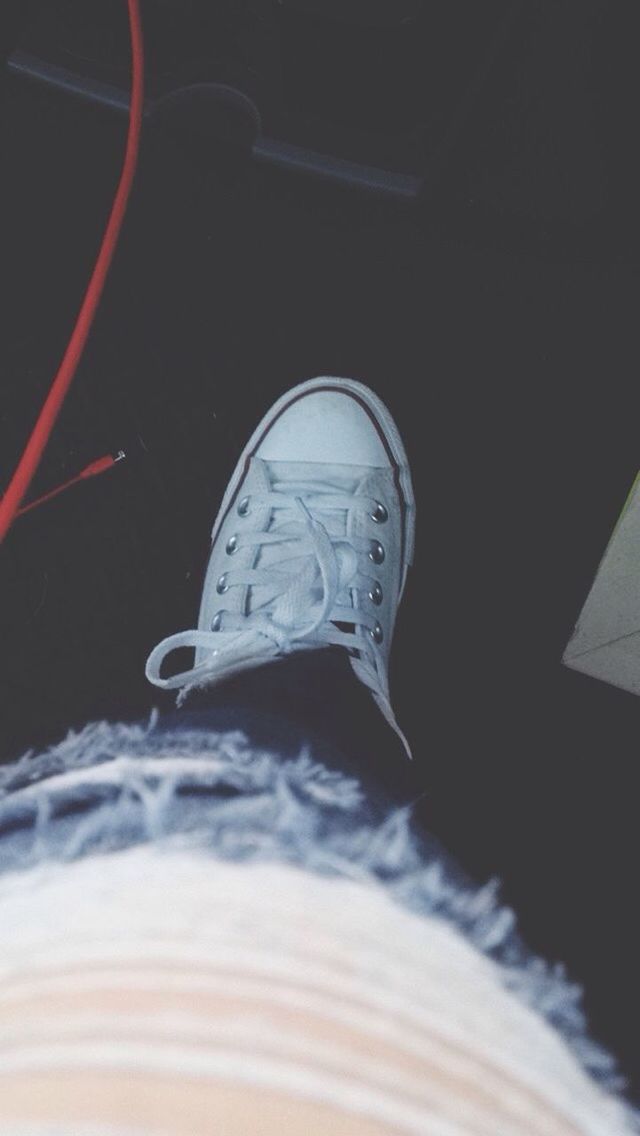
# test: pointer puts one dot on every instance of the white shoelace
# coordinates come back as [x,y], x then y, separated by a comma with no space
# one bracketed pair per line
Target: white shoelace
[301,592]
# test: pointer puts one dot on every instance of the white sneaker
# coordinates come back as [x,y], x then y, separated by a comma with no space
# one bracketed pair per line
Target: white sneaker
[312,543]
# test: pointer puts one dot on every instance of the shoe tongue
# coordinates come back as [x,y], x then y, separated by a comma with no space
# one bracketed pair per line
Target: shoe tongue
[312,478]
[326,476]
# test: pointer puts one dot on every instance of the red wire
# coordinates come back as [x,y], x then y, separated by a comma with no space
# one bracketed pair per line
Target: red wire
[28,464]
[101,465]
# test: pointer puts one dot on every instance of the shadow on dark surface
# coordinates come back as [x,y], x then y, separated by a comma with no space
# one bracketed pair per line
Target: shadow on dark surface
[505,344]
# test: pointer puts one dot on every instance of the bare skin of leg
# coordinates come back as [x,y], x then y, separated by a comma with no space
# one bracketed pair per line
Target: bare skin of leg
[184,1104]
[170,994]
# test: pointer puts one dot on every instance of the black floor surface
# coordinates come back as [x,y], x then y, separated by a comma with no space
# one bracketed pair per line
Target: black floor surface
[508,351]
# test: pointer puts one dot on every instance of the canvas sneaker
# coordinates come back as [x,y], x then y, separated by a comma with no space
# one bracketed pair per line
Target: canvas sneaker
[311,546]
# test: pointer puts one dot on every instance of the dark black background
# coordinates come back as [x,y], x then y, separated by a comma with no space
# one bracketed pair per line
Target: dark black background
[497,317]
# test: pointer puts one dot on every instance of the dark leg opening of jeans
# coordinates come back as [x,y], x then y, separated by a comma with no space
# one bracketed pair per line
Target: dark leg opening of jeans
[313,699]
[310,698]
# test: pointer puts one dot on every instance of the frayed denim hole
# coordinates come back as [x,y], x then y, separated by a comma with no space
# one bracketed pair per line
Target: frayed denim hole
[16,824]
[77,805]
[224,792]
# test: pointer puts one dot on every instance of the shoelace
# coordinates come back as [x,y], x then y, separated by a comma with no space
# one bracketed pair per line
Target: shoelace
[292,615]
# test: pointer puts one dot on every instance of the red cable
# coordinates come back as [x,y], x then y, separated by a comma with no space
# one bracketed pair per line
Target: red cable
[28,464]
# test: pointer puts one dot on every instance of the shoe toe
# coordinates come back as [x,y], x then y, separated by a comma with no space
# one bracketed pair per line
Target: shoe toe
[325,426]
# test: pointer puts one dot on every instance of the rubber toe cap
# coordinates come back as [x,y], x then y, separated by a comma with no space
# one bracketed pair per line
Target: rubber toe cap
[325,426]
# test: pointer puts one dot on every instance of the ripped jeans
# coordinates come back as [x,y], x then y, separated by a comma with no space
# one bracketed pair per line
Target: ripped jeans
[209,925]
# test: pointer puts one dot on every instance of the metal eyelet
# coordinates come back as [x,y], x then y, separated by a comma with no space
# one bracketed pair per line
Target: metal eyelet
[232,545]
[379,514]
[216,622]
[375,594]
[222,585]
[376,552]
[244,507]
[377,633]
